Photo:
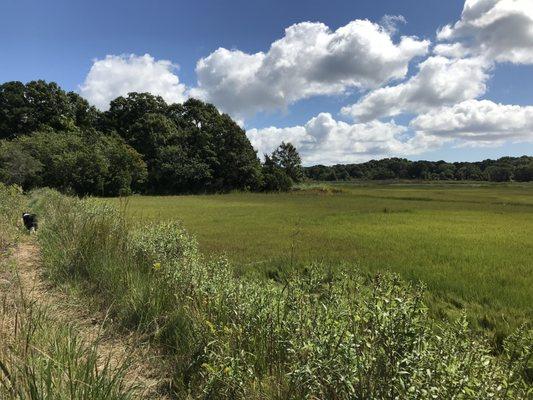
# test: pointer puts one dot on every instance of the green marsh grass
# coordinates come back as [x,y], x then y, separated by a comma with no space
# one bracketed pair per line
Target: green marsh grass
[315,332]
[471,244]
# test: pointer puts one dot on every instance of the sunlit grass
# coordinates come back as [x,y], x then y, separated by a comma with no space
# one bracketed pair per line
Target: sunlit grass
[468,243]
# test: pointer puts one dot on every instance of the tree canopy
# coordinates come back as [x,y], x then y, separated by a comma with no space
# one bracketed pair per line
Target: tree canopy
[53,138]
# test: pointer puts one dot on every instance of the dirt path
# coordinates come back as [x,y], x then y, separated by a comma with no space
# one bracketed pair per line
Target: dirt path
[26,282]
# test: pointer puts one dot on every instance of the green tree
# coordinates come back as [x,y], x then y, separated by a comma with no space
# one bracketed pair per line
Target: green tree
[173,171]
[188,147]
[83,162]
[524,173]
[26,108]
[17,166]
[286,157]
[497,173]
[275,179]
[125,112]
[469,172]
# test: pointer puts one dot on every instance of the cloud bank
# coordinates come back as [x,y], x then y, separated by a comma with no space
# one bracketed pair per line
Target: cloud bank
[499,29]
[439,81]
[478,121]
[324,140]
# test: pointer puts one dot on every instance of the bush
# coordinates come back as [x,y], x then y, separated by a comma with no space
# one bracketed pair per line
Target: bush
[276,180]
[318,335]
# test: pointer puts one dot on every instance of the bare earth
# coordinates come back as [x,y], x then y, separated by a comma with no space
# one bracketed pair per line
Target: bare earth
[24,285]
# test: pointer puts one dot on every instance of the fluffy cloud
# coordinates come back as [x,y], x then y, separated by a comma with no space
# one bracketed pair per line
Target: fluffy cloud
[489,31]
[478,121]
[439,81]
[499,29]
[309,60]
[118,75]
[327,141]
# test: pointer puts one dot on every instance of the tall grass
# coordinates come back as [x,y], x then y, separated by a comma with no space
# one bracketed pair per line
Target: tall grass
[41,358]
[12,203]
[315,334]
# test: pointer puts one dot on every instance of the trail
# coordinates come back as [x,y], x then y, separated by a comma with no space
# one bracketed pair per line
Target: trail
[26,280]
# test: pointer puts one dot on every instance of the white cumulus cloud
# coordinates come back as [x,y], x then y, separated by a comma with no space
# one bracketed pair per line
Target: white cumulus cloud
[499,29]
[440,81]
[489,31]
[118,75]
[478,121]
[324,140]
[309,60]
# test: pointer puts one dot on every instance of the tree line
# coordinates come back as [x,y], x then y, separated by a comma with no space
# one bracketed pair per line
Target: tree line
[50,137]
[501,170]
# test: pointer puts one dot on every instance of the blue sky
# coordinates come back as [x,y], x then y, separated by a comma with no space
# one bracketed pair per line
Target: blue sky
[61,40]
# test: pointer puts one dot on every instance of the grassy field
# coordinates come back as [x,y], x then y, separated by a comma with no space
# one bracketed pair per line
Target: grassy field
[471,244]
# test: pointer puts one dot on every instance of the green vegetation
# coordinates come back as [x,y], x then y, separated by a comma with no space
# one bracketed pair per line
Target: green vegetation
[43,360]
[82,162]
[317,333]
[49,138]
[502,170]
[469,243]
[39,358]
[11,208]
[346,291]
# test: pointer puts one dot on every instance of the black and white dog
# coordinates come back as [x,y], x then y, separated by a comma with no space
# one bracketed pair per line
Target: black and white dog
[30,221]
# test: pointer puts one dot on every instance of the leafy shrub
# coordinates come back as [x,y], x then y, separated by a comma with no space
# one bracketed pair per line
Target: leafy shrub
[318,335]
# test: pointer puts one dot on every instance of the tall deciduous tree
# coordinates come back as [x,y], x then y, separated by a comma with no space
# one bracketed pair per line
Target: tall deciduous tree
[37,105]
[286,156]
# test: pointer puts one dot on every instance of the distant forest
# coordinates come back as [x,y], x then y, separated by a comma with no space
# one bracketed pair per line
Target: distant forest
[52,138]
[502,170]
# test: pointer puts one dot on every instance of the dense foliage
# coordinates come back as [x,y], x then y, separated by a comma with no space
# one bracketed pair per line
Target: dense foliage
[52,138]
[282,168]
[84,162]
[501,170]
[313,335]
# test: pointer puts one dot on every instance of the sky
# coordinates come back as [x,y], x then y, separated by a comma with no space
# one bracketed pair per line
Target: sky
[344,81]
